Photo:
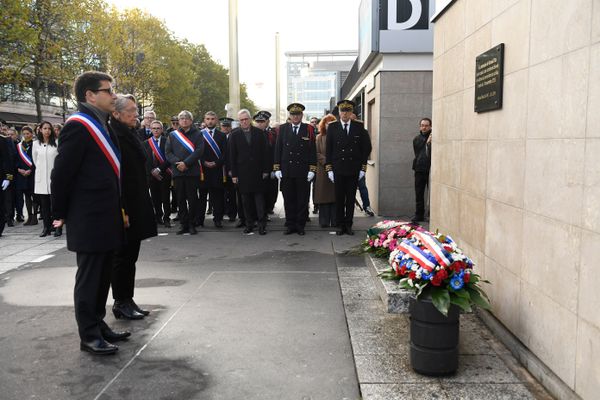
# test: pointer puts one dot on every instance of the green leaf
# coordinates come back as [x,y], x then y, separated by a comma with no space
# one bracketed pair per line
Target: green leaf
[462,293]
[441,300]
[477,299]
[462,302]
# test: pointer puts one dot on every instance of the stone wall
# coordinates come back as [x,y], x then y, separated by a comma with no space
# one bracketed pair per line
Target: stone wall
[519,188]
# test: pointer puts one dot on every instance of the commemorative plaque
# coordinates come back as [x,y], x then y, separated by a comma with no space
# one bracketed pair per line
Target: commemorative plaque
[489,77]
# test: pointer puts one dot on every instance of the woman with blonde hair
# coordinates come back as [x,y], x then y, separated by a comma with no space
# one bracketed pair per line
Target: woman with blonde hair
[324,192]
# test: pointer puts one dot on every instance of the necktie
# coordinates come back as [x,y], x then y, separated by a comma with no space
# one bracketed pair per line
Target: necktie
[346,128]
[295,130]
[211,133]
[148,132]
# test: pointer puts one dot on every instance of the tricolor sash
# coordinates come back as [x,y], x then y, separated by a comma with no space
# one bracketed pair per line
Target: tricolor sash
[187,143]
[418,255]
[102,139]
[443,257]
[158,153]
[24,156]
[214,147]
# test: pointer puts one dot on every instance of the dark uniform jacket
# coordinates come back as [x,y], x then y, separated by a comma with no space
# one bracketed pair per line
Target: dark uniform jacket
[347,154]
[295,155]
[142,134]
[177,152]
[135,197]
[85,191]
[249,161]
[25,183]
[7,161]
[422,161]
[213,177]
[152,160]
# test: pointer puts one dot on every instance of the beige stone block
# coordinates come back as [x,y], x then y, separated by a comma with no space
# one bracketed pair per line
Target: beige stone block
[475,125]
[438,78]
[551,259]
[511,121]
[589,295]
[575,78]
[472,220]
[548,329]
[435,201]
[506,171]
[559,26]
[453,116]
[504,235]
[544,105]
[554,178]
[447,156]
[591,190]
[504,293]
[587,382]
[477,14]
[473,169]
[512,29]
[453,72]
[593,116]
[455,18]
[596,21]
[475,44]
[437,117]
[499,6]
[446,215]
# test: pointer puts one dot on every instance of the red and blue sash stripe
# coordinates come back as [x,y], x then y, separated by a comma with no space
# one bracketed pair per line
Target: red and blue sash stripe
[102,139]
[157,153]
[443,257]
[24,156]
[185,142]
[211,142]
[418,255]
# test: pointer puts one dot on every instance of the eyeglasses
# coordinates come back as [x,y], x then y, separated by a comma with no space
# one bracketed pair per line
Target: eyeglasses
[156,128]
[107,90]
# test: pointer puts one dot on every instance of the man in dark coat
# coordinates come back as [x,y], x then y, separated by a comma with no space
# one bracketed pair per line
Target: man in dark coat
[421,166]
[86,196]
[212,180]
[184,150]
[137,207]
[262,120]
[6,176]
[230,205]
[160,173]
[249,170]
[295,165]
[144,132]
[348,148]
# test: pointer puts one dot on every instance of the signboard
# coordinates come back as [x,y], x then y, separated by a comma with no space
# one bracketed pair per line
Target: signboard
[489,79]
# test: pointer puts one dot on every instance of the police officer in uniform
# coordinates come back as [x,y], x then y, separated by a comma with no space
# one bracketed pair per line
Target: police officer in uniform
[262,120]
[295,166]
[348,148]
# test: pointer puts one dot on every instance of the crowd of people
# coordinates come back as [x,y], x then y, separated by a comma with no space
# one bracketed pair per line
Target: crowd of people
[107,170]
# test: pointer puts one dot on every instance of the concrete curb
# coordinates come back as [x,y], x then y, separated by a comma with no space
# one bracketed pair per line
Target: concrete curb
[395,299]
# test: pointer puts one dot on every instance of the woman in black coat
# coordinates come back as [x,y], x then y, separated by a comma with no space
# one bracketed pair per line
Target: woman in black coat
[137,207]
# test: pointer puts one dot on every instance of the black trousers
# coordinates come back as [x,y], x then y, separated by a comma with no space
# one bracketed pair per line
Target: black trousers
[230,200]
[187,196]
[421,182]
[240,205]
[254,208]
[46,205]
[92,282]
[271,193]
[160,193]
[2,215]
[29,206]
[9,202]
[123,272]
[217,200]
[345,194]
[296,192]
[326,214]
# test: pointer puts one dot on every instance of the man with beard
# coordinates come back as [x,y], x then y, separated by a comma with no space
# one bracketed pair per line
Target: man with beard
[249,169]
[213,174]
[421,166]
[295,166]
[184,149]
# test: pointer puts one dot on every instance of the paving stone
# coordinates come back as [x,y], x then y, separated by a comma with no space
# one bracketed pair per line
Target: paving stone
[481,369]
[387,368]
[488,391]
[354,272]
[359,293]
[409,391]
[364,343]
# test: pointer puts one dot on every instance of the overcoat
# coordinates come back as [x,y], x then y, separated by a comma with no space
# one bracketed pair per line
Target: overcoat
[295,154]
[324,191]
[177,152]
[347,153]
[135,196]
[213,177]
[85,190]
[248,161]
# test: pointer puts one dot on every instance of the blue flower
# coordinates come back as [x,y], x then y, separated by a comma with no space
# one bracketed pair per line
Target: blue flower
[456,283]
[426,276]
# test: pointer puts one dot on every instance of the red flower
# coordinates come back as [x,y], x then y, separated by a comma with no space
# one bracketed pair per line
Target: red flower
[403,270]
[442,274]
[436,280]
[466,278]
[412,275]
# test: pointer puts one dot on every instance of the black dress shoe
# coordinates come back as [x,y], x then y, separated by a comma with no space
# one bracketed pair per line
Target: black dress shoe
[301,232]
[113,336]
[340,232]
[10,223]
[218,224]
[99,347]
[289,231]
[349,231]
[182,231]
[58,232]
[45,232]
[193,230]
[138,309]
[262,230]
[123,309]
[20,218]
[240,224]
[248,230]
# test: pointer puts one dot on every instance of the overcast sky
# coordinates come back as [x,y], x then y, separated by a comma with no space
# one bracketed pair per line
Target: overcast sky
[303,25]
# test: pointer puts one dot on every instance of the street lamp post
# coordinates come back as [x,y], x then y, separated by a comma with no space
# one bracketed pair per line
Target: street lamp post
[234,78]
[277,81]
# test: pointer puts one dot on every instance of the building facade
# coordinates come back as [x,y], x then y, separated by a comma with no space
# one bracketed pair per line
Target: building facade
[519,187]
